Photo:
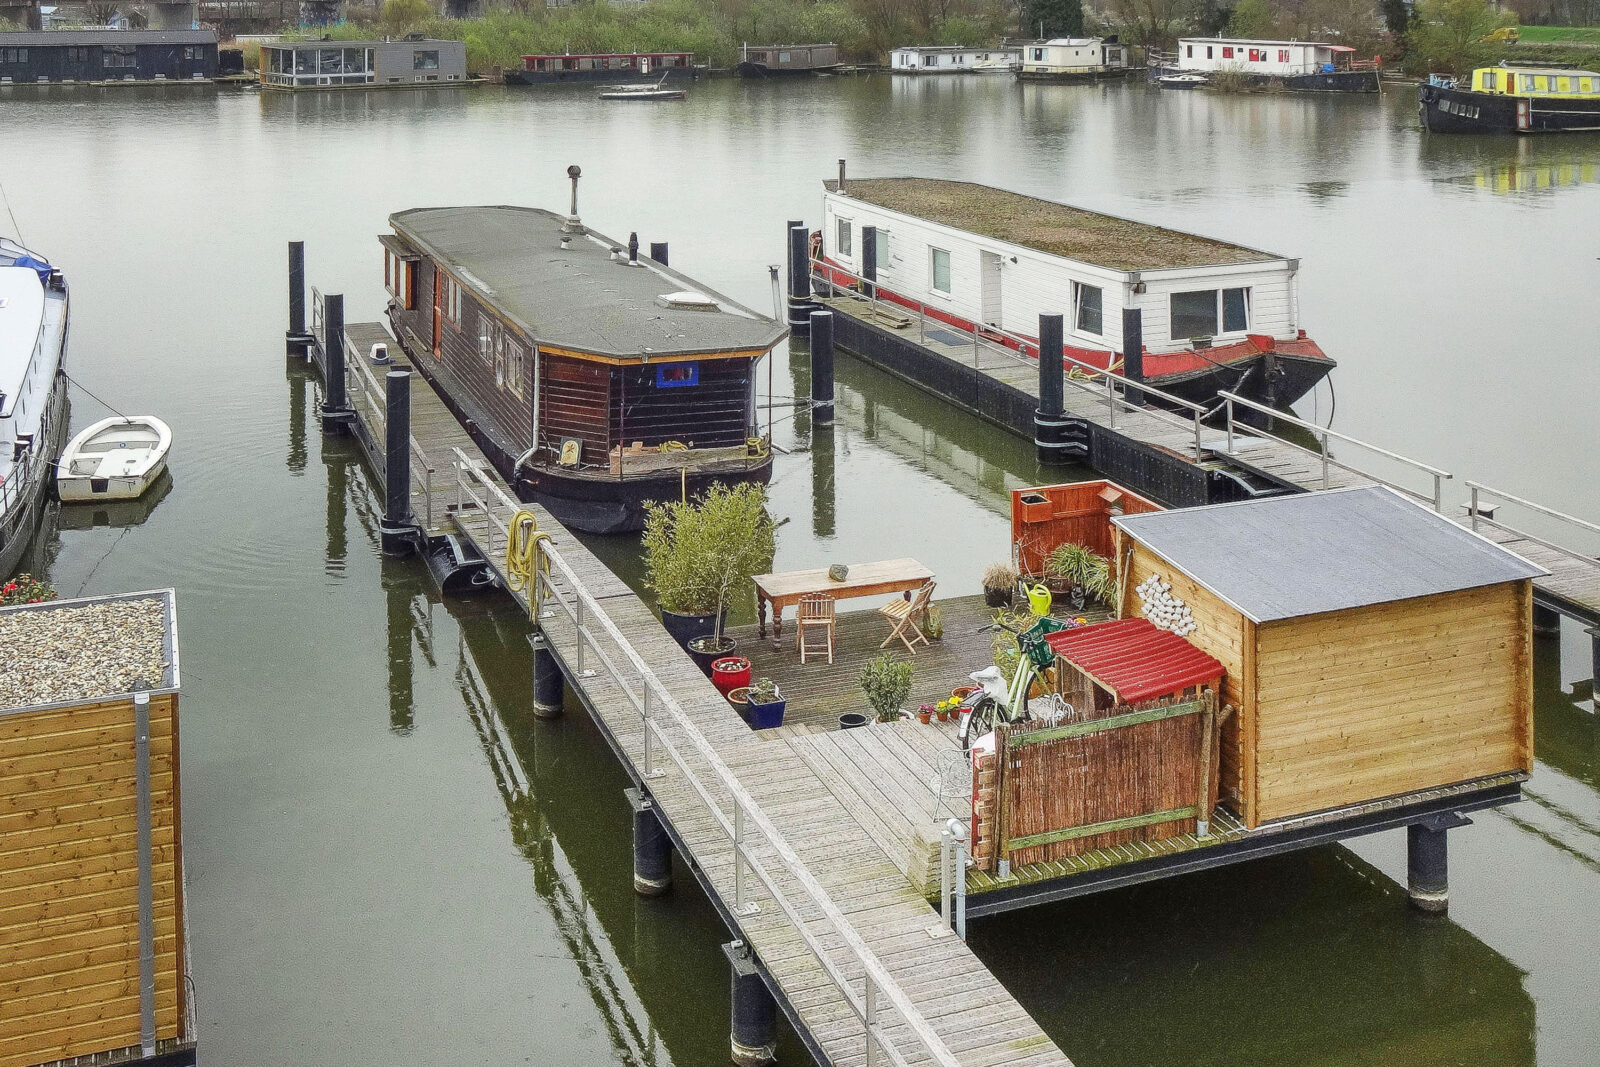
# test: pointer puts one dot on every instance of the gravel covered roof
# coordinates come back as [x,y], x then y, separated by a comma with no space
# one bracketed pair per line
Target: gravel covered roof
[1044,225]
[577,297]
[79,650]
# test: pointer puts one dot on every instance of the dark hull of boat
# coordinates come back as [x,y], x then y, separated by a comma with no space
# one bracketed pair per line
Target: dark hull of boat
[1340,81]
[1071,77]
[19,525]
[761,70]
[1277,380]
[600,505]
[1461,111]
[603,77]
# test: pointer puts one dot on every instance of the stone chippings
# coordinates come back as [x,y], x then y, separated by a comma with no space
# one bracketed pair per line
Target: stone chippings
[80,653]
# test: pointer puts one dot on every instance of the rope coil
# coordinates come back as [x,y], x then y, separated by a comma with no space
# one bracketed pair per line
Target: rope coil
[522,550]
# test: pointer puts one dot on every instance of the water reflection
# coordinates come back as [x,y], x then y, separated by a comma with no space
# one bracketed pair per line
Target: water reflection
[1312,958]
[117,513]
[298,376]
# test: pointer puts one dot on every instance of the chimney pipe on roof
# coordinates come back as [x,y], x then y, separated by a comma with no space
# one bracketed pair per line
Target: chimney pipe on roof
[841,176]
[573,223]
[633,249]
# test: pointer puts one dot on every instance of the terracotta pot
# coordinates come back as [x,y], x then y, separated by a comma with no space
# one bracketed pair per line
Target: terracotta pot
[739,698]
[924,717]
[944,714]
[962,692]
[730,673]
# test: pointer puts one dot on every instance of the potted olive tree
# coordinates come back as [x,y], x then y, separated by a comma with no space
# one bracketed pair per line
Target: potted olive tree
[699,555]
[887,682]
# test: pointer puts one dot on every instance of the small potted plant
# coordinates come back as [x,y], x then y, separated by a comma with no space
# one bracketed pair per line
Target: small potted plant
[886,682]
[729,673]
[766,705]
[1078,572]
[925,714]
[698,555]
[740,699]
[999,585]
[25,589]
[945,707]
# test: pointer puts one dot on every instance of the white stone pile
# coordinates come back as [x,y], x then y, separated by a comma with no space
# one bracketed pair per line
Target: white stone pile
[51,655]
[1166,611]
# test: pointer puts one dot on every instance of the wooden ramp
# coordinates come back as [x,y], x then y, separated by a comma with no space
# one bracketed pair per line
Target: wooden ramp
[825,909]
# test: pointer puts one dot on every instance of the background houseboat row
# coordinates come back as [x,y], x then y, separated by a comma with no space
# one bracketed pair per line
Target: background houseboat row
[1303,65]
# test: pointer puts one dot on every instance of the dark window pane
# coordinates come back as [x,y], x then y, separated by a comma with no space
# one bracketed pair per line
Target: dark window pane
[1089,319]
[1235,311]
[1194,314]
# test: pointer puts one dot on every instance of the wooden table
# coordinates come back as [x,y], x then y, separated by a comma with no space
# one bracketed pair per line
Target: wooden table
[865,579]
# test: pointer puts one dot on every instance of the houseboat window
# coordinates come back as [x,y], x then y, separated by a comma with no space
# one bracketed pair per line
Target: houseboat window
[1038,55]
[843,245]
[1189,51]
[13,55]
[118,55]
[1541,83]
[1235,310]
[452,298]
[881,239]
[516,366]
[191,51]
[1283,55]
[425,60]
[676,375]
[1489,80]
[941,270]
[77,55]
[1086,299]
[1227,53]
[1198,313]
[1586,85]
[1565,85]
[783,57]
[1208,51]
[928,61]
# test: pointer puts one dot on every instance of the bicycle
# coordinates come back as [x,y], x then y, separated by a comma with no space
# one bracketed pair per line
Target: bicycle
[1001,702]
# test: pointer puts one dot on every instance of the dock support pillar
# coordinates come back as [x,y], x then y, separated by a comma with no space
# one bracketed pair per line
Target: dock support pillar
[754,1036]
[295,339]
[1594,662]
[821,367]
[652,848]
[398,529]
[800,305]
[1546,621]
[335,403]
[548,684]
[1427,863]
[869,258]
[1049,420]
[1133,352]
[658,252]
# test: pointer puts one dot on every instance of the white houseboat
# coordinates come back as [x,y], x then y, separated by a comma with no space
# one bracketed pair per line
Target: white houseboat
[1291,64]
[953,59]
[1073,59]
[33,392]
[1212,314]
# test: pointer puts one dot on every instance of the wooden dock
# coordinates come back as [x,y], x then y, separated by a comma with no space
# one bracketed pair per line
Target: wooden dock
[1171,456]
[848,945]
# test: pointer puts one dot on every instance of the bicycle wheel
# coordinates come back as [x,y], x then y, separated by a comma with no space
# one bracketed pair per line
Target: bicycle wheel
[985,713]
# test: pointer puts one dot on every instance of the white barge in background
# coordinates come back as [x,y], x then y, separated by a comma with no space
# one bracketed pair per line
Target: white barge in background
[1212,315]
[1071,59]
[953,59]
[1302,65]
[33,392]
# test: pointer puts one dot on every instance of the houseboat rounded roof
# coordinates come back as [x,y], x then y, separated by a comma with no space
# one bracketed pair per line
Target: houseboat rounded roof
[579,296]
[1047,226]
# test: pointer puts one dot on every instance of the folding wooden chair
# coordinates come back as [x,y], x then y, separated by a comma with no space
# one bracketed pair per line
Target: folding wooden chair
[904,614]
[815,613]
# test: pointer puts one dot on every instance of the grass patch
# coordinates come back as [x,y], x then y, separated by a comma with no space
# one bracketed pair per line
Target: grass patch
[1559,34]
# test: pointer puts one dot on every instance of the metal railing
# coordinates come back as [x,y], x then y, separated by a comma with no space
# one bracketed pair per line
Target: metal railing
[1323,452]
[1475,518]
[759,849]
[983,338]
[363,387]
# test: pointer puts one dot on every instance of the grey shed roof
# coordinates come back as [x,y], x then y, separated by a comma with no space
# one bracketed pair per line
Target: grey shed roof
[81,38]
[578,298]
[1288,556]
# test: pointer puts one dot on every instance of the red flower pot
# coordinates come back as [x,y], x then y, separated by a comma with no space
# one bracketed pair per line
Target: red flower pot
[729,673]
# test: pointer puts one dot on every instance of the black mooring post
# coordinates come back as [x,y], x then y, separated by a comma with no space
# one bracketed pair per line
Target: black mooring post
[398,526]
[869,258]
[652,848]
[754,1033]
[335,405]
[1133,352]
[788,260]
[548,684]
[1427,866]
[1049,420]
[821,367]
[658,252]
[799,281]
[295,338]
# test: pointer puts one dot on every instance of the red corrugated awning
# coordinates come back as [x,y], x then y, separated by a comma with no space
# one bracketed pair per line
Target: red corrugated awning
[1134,659]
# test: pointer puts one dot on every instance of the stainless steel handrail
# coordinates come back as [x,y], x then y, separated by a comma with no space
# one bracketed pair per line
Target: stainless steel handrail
[1197,412]
[657,709]
[1328,462]
[1475,518]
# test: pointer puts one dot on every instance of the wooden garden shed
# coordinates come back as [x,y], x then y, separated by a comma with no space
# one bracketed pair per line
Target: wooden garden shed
[93,953]
[1373,648]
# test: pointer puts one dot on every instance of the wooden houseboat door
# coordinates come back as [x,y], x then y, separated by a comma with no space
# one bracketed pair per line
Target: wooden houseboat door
[989,292]
[438,308]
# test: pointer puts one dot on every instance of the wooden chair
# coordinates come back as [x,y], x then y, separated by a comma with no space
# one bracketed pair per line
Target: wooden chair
[815,612]
[904,615]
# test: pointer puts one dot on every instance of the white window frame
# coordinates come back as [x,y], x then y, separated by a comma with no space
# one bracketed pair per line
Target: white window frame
[1220,320]
[933,271]
[881,236]
[1077,309]
[843,238]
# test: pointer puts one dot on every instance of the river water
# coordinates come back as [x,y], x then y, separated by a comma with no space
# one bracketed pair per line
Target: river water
[390,861]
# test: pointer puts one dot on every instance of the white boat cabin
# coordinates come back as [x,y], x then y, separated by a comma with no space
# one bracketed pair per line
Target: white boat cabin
[954,59]
[1270,58]
[973,254]
[1073,55]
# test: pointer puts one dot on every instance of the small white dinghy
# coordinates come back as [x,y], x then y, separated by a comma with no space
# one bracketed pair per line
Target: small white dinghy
[115,459]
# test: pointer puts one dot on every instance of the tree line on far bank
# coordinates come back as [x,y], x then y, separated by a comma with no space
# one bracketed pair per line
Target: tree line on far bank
[1438,35]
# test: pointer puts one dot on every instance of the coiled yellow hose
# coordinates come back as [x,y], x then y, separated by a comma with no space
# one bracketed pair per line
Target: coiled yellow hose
[522,550]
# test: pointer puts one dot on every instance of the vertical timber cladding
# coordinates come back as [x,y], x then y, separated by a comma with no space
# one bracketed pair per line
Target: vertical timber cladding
[1220,631]
[486,356]
[69,880]
[1371,702]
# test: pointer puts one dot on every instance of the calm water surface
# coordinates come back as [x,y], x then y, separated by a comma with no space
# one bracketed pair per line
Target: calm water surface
[390,861]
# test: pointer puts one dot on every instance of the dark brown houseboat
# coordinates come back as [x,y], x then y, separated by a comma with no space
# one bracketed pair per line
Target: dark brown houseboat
[594,378]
